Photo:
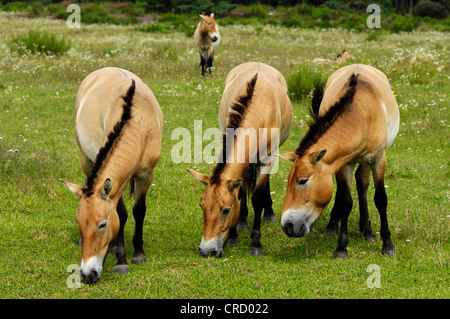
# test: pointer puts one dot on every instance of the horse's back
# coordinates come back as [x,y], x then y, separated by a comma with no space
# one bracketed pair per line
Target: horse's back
[373,86]
[270,105]
[99,107]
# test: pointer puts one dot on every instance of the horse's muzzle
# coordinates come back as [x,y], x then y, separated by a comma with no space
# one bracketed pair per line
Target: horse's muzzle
[90,277]
[214,37]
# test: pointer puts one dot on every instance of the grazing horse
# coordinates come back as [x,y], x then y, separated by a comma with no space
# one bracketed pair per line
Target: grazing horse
[207,38]
[254,103]
[354,122]
[118,129]
[341,58]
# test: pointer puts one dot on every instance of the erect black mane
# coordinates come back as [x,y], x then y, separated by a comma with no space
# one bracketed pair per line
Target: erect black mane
[113,136]
[235,117]
[321,124]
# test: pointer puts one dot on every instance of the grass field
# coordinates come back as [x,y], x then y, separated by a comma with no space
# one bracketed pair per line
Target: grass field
[38,235]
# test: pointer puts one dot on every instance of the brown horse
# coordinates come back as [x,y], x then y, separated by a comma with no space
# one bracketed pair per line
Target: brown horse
[118,129]
[355,122]
[254,103]
[207,38]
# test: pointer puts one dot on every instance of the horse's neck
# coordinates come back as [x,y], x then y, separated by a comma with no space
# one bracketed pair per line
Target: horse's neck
[120,164]
[342,145]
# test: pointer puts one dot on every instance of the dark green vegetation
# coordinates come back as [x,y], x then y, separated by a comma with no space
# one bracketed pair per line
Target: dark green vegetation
[38,235]
[182,15]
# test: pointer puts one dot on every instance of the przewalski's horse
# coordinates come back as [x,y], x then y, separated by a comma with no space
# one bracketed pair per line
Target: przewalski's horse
[355,122]
[118,129]
[254,103]
[207,38]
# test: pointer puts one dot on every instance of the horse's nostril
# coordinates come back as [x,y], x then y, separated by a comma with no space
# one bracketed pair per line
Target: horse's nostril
[289,229]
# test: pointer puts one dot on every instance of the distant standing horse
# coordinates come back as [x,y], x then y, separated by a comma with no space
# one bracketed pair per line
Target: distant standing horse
[207,38]
[355,122]
[118,129]
[254,100]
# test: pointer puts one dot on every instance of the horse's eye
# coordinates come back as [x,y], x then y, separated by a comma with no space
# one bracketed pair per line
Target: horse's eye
[200,204]
[226,211]
[102,225]
[208,23]
[302,181]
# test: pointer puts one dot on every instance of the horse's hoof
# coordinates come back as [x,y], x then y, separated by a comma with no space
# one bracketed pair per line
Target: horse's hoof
[121,269]
[232,241]
[370,238]
[138,259]
[270,218]
[340,254]
[241,226]
[390,252]
[255,251]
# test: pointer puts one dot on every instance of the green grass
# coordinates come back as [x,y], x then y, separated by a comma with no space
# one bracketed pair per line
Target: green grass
[40,42]
[302,81]
[38,235]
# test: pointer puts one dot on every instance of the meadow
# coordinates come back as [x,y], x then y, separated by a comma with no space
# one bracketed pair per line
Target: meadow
[38,234]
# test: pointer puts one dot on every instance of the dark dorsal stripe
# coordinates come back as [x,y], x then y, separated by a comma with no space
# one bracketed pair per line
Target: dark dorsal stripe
[321,124]
[113,136]
[235,116]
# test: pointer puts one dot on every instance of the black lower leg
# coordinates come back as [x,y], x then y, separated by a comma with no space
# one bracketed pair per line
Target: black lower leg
[242,222]
[138,242]
[210,63]
[269,215]
[381,204]
[256,248]
[122,265]
[202,62]
[346,206]
[362,184]
[339,205]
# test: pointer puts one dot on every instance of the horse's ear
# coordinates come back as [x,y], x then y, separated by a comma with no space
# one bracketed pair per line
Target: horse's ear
[316,156]
[204,179]
[74,188]
[288,156]
[202,16]
[211,15]
[105,190]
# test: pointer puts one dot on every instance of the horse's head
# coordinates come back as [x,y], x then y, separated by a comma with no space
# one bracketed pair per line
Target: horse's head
[220,207]
[209,26]
[99,224]
[309,190]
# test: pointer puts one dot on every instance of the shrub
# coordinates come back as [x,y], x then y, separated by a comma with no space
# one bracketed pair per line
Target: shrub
[303,80]
[427,8]
[41,42]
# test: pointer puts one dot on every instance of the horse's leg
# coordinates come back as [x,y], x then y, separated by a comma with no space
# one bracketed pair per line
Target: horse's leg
[256,249]
[378,170]
[139,209]
[362,184]
[242,223]
[269,216]
[339,202]
[122,266]
[203,64]
[210,59]
[344,179]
